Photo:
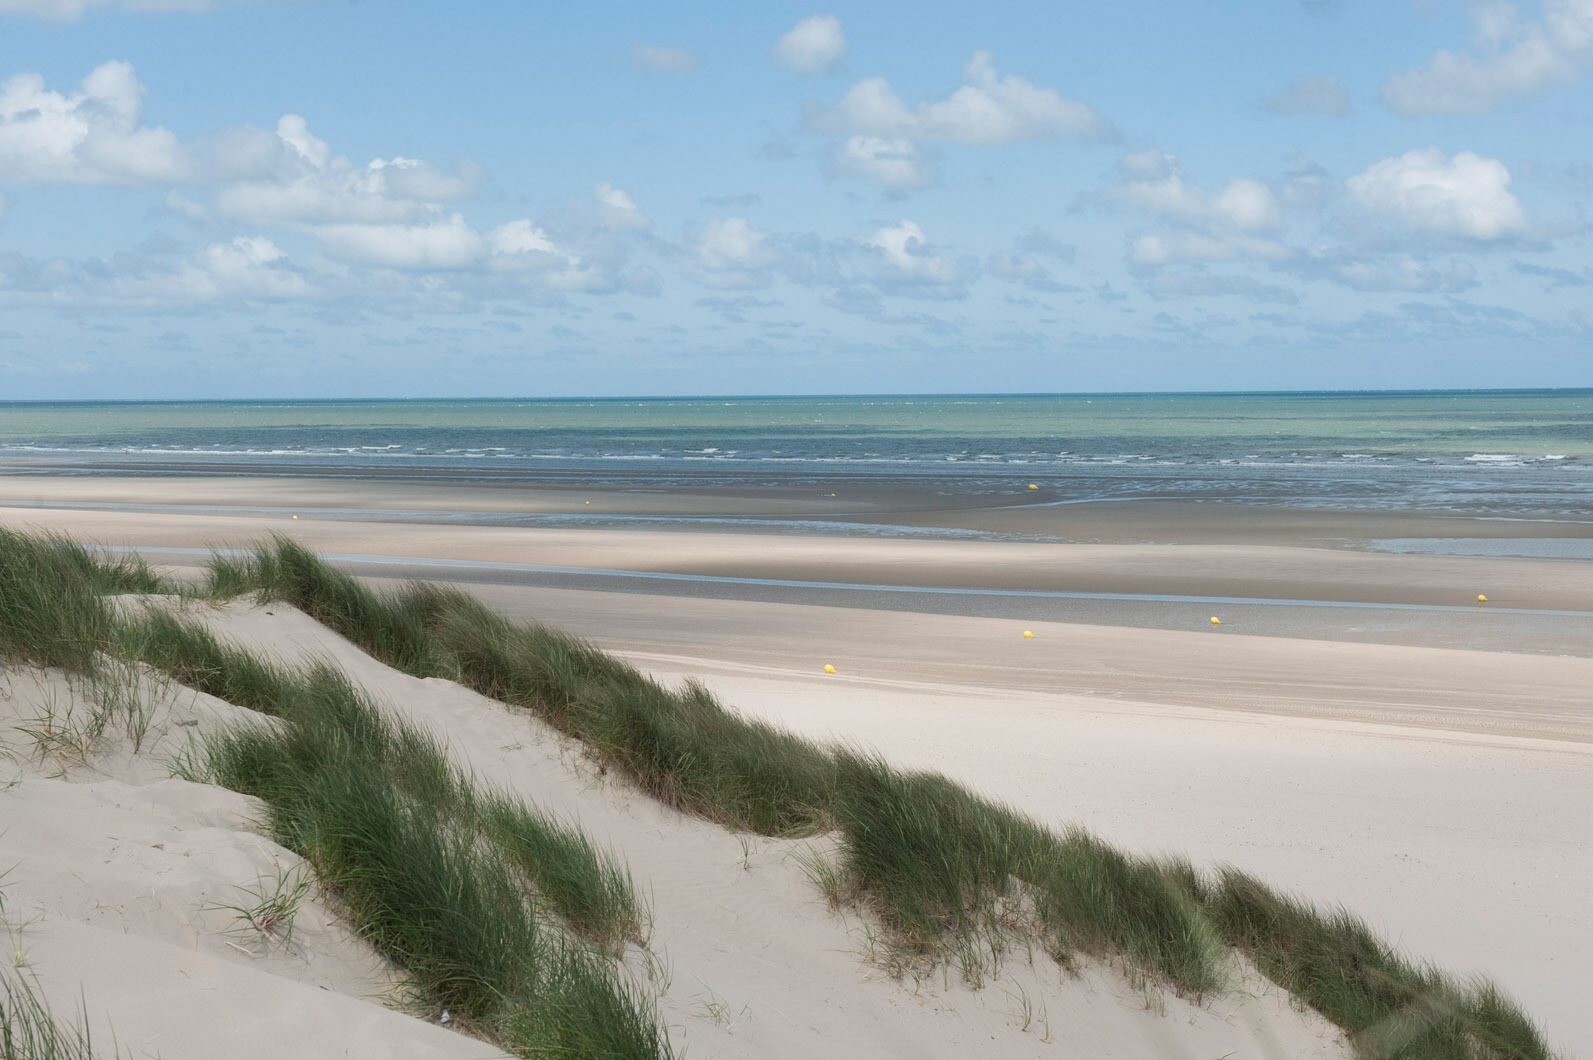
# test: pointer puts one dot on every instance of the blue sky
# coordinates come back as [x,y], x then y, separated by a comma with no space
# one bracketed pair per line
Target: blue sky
[213,199]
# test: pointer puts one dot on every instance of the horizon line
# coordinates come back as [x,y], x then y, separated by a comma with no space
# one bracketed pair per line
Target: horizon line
[1337,392]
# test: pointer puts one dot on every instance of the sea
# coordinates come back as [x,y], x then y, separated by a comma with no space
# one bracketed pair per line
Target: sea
[1516,453]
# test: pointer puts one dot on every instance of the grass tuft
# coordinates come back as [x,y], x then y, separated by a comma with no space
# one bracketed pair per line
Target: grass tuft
[421,884]
[1393,1008]
[51,611]
[953,877]
[30,1031]
[504,915]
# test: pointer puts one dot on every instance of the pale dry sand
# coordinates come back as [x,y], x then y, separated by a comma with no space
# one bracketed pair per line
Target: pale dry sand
[1442,794]
[117,883]
[121,874]
[757,964]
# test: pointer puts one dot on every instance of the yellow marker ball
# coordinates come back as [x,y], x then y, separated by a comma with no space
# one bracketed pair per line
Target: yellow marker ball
[1216,621]
[828,668]
[1033,486]
[1028,634]
[1481,599]
[295,517]
[588,502]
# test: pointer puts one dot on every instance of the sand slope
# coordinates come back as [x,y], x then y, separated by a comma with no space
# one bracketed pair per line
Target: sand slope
[756,963]
[116,876]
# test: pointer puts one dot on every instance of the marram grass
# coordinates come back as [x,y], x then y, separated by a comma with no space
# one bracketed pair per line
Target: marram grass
[505,917]
[29,1030]
[951,874]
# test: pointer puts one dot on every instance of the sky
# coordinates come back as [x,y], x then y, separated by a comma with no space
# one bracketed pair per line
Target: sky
[379,198]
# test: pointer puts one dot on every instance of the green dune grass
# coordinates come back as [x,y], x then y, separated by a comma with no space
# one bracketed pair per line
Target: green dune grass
[952,876]
[29,1030]
[499,914]
[950,873]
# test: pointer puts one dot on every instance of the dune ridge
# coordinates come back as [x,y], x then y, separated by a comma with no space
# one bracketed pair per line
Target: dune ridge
[1413,1029]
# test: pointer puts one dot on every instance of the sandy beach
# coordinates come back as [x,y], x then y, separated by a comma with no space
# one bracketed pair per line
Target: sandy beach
[1359,730]
[934,532]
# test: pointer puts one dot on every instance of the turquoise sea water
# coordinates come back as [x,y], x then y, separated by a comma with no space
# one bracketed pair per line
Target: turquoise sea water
[1504,450]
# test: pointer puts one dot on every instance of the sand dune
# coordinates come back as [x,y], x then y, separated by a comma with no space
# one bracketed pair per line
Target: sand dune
[1441,793]
[122,872]
[118,884]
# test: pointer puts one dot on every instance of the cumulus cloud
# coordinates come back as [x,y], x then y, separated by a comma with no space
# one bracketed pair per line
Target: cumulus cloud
[618,210]
[1310,95]
[908,265]
[304,183]
[519,239]
[447,243]
[1237,221]
[244,269]
[891,161]
[731,254]
[812,46]
[656,60]
[1465,197]
[94,135]
[1154,182]
[251,266]
[988,109]
[1509,59]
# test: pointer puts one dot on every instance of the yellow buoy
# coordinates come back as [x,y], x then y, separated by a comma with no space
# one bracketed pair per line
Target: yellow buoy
[1028,634]
[1481,599]
[829,668]
[1034,486]
[1216,621]
[295,517]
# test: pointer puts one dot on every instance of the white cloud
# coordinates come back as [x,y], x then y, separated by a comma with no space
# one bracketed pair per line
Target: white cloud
[520,238]
[71,10]
[1461,197]
[812,46]
[892,162]
[910,266]
[449,243]
[987,109]
[1239,221]
[295,132]
[243,269]
[732,254]
[617,209]
[92,136]
[307,185]
[656,60]
[1508,60]
[1310,95]
[1154,183]
[249,266]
